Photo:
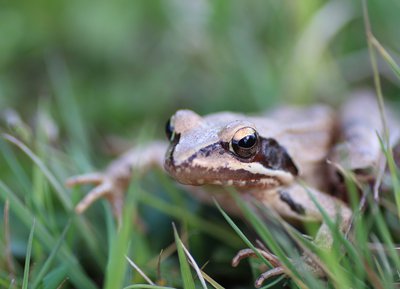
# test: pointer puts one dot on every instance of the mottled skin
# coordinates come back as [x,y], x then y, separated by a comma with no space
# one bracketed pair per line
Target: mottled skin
[291,144]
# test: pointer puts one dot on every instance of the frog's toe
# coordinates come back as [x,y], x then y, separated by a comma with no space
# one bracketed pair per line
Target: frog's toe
[246,253]
[98,192]
[92,178]
[268,274]
[277,266]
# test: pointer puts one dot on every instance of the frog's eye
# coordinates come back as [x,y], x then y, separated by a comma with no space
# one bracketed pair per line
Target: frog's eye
[245,142]
[169,130]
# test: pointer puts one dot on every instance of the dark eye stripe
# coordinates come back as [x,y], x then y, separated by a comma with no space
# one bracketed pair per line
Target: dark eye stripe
[274,156]
[169,130]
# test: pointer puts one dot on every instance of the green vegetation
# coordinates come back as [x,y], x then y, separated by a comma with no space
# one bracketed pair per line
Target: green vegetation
[82,81]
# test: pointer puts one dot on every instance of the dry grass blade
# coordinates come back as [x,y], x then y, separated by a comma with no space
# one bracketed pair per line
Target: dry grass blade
[171,249]
[373,276]
[193,263]
[211,280]
[385,55]
[375,248]
[140,271]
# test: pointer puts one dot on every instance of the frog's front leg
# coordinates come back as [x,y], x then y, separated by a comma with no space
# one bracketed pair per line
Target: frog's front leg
[294,203]
[114,181]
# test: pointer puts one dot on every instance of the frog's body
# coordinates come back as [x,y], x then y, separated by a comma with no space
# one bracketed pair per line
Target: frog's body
[262,157]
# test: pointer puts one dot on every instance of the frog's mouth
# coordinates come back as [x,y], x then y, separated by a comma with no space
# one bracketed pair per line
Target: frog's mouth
[197,176]
[215,165]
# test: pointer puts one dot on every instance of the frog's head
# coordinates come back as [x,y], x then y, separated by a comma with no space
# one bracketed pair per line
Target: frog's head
[224,149]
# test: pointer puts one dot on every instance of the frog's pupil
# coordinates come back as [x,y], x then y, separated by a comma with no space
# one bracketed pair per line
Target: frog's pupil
[248,141]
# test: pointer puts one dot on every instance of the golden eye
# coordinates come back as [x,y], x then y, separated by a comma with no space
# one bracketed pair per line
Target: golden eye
[245,142]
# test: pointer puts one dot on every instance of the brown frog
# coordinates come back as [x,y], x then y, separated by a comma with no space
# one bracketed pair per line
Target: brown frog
[267,158]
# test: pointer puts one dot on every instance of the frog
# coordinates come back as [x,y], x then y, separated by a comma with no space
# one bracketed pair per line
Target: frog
[287,159]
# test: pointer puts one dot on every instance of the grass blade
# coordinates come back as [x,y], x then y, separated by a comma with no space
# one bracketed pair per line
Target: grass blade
[242,235]
[61,193]
[16,168]
[77,274]
[186,274]
[140,271]
[214,230]
[66,202]
[194,265]
[7,241]
[28,257]
[46,266]
[116,266]
[146,286]
[386,56]
[211,280]
[69,108]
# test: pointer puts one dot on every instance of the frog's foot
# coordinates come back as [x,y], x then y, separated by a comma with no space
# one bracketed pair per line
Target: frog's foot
[277,269]
[105,187]
[307,263]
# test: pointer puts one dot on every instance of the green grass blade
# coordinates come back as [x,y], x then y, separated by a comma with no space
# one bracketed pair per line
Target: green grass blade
[374,64]
[56,277]
[303,280]
[77,274]
[393,173]
[268,239]
[186,274]
[69,108]
[117,266]
[264,233]
[242,235]
[61,193]
[16,168]
[65,201]
[386,236]
[337,235]
[214,230]
[46,266]
[28,257]
[147,286]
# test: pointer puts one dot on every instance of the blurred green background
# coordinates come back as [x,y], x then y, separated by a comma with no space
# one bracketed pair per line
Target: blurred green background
[110,68]
[127,61]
